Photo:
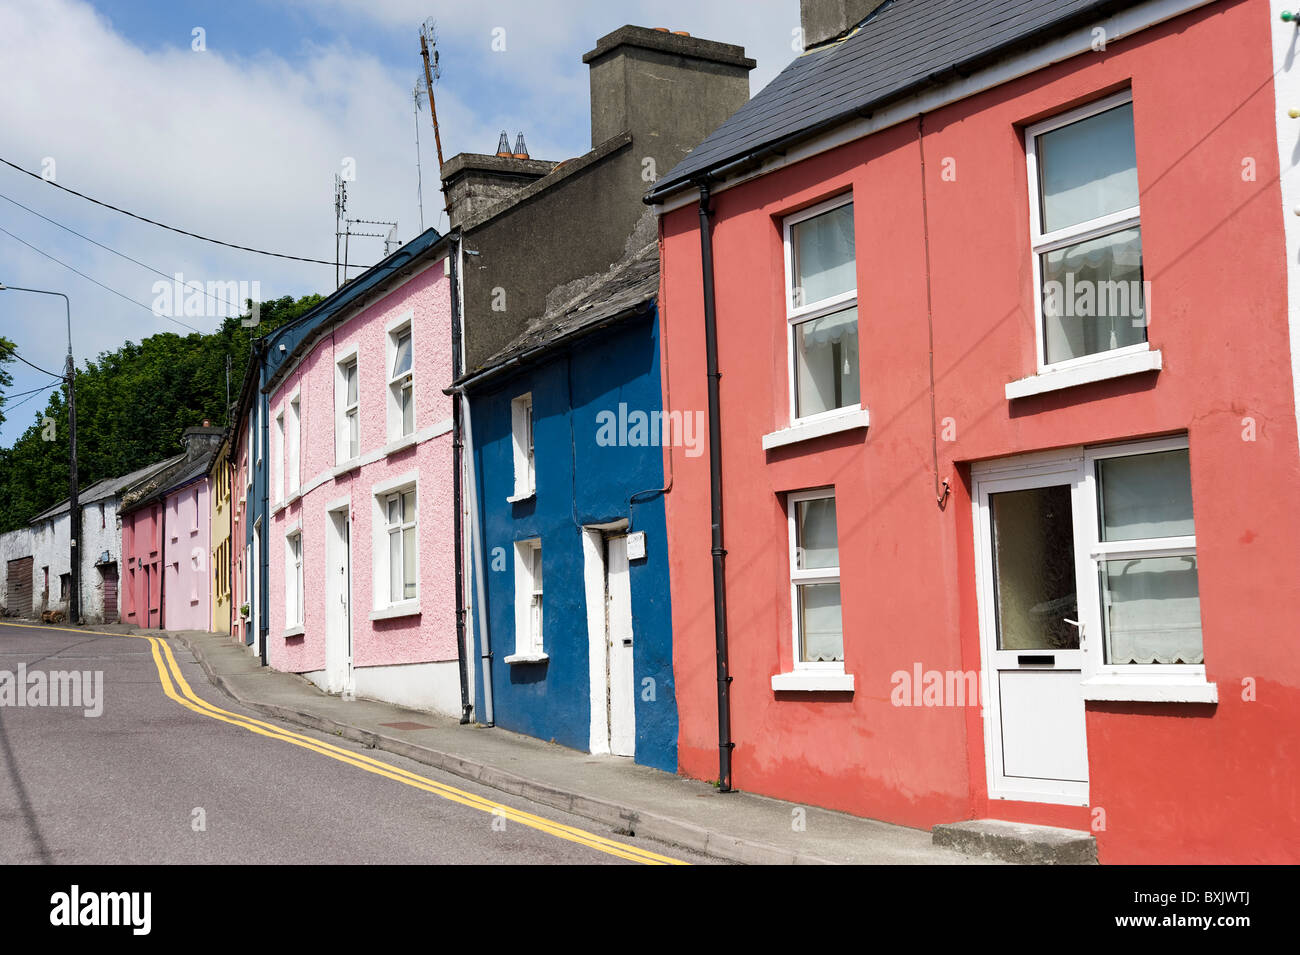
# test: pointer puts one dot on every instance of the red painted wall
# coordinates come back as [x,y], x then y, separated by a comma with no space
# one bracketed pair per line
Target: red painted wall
[142,567]
[1178,782]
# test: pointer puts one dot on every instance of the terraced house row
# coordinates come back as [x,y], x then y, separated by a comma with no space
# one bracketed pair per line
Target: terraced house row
[911,439]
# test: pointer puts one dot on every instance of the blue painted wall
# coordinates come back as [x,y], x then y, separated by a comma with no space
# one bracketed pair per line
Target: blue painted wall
[579,482]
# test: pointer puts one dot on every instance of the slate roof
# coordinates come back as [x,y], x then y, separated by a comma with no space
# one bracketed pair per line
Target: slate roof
[102,490]
[626,289]
[905,46]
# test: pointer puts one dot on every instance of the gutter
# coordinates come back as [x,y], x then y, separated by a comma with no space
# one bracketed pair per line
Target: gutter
[457,470]
[725,744]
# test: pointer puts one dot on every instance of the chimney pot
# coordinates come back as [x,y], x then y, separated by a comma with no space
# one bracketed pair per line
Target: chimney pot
[521,148]
[503,145]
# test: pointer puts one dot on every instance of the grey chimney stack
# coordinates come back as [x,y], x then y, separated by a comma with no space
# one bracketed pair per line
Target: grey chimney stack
[824,20]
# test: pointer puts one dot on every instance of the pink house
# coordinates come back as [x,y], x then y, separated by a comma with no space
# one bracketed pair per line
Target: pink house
[361,595]
[166,531]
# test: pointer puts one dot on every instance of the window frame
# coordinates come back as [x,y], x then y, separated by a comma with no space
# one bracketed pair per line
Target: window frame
[294,597]
[405,524]
[343,411]
[277,458]
[796,315]
[523,443]
[293,439]
[1093,551]
[399,383]
[1041,243]
[530,583]
[818,575]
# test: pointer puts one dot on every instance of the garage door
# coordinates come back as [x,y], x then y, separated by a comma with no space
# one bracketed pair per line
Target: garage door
[20,588]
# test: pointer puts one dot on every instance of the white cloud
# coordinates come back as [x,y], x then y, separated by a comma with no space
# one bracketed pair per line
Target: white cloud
[244,148]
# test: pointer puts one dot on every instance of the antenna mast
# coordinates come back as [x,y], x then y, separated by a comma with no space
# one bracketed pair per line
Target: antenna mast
[429,39]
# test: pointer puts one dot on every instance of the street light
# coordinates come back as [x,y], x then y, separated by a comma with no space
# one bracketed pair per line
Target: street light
[74,511]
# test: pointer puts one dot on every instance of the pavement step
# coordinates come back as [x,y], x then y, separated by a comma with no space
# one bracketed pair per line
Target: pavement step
[1018,843]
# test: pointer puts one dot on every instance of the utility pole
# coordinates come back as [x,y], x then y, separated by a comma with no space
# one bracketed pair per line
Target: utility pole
[74,510]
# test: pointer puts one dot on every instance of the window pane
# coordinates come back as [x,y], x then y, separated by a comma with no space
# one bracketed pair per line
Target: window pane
[394,510]
[408,506]
[1033,569]
[395,588]
[1145,495]
[1151,609]
[815,539]
[402,360]
[408,410]
[821,633]
[1088,169]
[354,434]
[1093,296]
[826,363]
[351,373]
[408,563]
[823,257]
[535,565]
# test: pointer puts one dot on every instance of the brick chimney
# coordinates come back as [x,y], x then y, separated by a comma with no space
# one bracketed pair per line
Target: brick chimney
[824,20]
[667,89]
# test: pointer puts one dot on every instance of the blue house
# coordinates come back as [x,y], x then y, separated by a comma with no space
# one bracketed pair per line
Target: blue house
[567,433]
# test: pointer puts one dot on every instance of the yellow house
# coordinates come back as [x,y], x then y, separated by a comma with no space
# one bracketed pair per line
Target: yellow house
[219,477]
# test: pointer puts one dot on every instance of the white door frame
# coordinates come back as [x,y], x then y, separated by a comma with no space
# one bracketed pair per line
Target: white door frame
[339,675]
[594,575]
[1022,473]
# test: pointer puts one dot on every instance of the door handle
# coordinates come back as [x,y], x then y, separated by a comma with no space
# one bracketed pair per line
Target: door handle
[1078,624]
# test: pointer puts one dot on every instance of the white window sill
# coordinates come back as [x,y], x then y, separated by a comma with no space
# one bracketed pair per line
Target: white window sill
[346,467]
[1104,369]
[407,608]
[516,498]
[526,658]
[807,430]
[1152,690]
[297,631]
[809,681]
[399,444]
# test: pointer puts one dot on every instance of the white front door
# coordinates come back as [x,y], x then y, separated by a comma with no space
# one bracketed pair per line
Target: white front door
[1026,524]
[621,673]
[338,599]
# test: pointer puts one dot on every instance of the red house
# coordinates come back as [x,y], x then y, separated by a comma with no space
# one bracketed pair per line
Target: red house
[989,302]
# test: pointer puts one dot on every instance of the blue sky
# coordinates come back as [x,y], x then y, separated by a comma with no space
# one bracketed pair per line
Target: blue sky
[240,140]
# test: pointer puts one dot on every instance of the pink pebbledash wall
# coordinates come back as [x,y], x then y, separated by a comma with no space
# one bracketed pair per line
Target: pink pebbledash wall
[428,636]
[186,540]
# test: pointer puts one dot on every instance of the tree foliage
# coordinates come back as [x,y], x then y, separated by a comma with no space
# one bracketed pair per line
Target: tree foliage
[133,404]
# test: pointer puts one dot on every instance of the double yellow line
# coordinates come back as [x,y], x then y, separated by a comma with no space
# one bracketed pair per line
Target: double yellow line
[176,688]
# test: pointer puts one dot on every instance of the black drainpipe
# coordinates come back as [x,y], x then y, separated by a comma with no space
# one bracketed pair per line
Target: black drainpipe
[457,466]
[725,745]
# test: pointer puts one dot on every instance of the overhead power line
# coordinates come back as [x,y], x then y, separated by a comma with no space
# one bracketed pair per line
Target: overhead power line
[30,396]
[216,298]
[106,288]
[162,225]
[14,352]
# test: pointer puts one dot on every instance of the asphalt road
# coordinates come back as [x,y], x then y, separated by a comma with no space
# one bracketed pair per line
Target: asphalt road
[154,779]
